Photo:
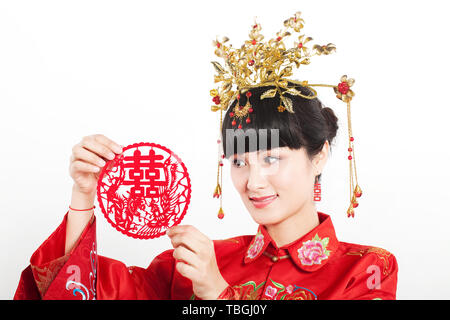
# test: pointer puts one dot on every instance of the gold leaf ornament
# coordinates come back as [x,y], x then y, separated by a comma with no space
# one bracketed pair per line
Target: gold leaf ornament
[269,94]
[220,70]
[286,72]
[287,104]
[294,92]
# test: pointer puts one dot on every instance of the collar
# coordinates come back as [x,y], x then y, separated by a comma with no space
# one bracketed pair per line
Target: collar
[310,252]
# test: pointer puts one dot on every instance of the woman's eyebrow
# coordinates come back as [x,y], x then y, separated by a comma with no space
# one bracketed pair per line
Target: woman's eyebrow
[272,151]
[259,153]
[236,156]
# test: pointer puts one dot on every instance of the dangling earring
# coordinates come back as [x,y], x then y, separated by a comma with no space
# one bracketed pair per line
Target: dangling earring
[317,190]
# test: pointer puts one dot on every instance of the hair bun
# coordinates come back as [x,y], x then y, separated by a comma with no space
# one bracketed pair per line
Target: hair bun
[332,122]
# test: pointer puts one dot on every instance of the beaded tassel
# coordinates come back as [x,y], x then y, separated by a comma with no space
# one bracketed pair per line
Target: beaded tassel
[355,189]
[218,190]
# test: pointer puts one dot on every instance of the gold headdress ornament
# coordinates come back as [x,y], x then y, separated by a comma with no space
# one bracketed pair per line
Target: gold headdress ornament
[258,64]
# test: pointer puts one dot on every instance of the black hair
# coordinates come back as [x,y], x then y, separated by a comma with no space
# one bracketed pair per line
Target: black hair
[309,126]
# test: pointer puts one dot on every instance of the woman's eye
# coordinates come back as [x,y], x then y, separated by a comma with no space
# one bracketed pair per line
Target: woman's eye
[270,159]
[238,163]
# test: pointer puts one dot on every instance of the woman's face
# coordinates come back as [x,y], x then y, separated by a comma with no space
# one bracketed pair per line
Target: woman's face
[285,176]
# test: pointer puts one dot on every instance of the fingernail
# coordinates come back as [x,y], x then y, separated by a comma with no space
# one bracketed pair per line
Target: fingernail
[111,156]
[118,149]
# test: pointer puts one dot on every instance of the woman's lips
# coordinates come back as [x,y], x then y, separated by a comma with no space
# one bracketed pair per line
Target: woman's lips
[263,201]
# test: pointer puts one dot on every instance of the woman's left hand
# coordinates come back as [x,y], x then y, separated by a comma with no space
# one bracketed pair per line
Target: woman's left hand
[196,260]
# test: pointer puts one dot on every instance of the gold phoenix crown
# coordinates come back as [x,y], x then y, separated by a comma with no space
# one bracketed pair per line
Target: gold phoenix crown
[260,64]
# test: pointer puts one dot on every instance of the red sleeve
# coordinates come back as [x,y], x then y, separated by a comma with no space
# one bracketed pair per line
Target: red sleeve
[117,281]
[27,289]
[55,275]
[230,293]
[375,277]
[45,263]
[82,274]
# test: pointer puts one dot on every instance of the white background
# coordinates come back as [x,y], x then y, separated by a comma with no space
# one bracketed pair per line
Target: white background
[140,71]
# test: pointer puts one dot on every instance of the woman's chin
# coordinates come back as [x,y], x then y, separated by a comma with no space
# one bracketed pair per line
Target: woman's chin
[265,217]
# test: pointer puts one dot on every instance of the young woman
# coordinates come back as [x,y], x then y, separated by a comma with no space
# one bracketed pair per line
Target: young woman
[294,254]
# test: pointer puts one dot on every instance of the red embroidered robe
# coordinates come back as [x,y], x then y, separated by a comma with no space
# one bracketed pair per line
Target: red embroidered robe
[315,266]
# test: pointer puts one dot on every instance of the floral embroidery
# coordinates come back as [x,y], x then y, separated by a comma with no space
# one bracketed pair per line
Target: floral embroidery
[300,293]
[256,246]
[382,254]
[249,290]
[289,289]
[291,292]
[314,251]
[277,291]
[270,292]
[246,291]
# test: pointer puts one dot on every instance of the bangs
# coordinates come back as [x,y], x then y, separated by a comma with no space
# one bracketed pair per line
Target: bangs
[268,128]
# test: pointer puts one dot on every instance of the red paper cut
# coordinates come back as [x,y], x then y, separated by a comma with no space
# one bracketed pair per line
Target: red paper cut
[144,191]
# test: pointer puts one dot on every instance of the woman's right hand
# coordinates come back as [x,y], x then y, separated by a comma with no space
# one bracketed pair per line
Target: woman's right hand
[87,159]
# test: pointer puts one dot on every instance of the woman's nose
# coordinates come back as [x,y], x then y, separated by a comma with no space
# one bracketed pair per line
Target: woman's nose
[256,179]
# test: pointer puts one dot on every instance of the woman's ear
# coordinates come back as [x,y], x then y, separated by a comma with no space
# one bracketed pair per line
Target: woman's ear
[321,158]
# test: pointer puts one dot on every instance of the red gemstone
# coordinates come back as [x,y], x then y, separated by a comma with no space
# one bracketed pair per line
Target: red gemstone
[253,42]
[241,107]
[300,45]
[231,114]
[220,215]
[250,110]
[240,127]
[350,157]
[358,194]
[218,45]
[355,204]
[343,87]
[248,120]
[238,96]
[279,38]
[352,139]
[350,149]
[221,164]
[233,123]
[251,62]
[249,94]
